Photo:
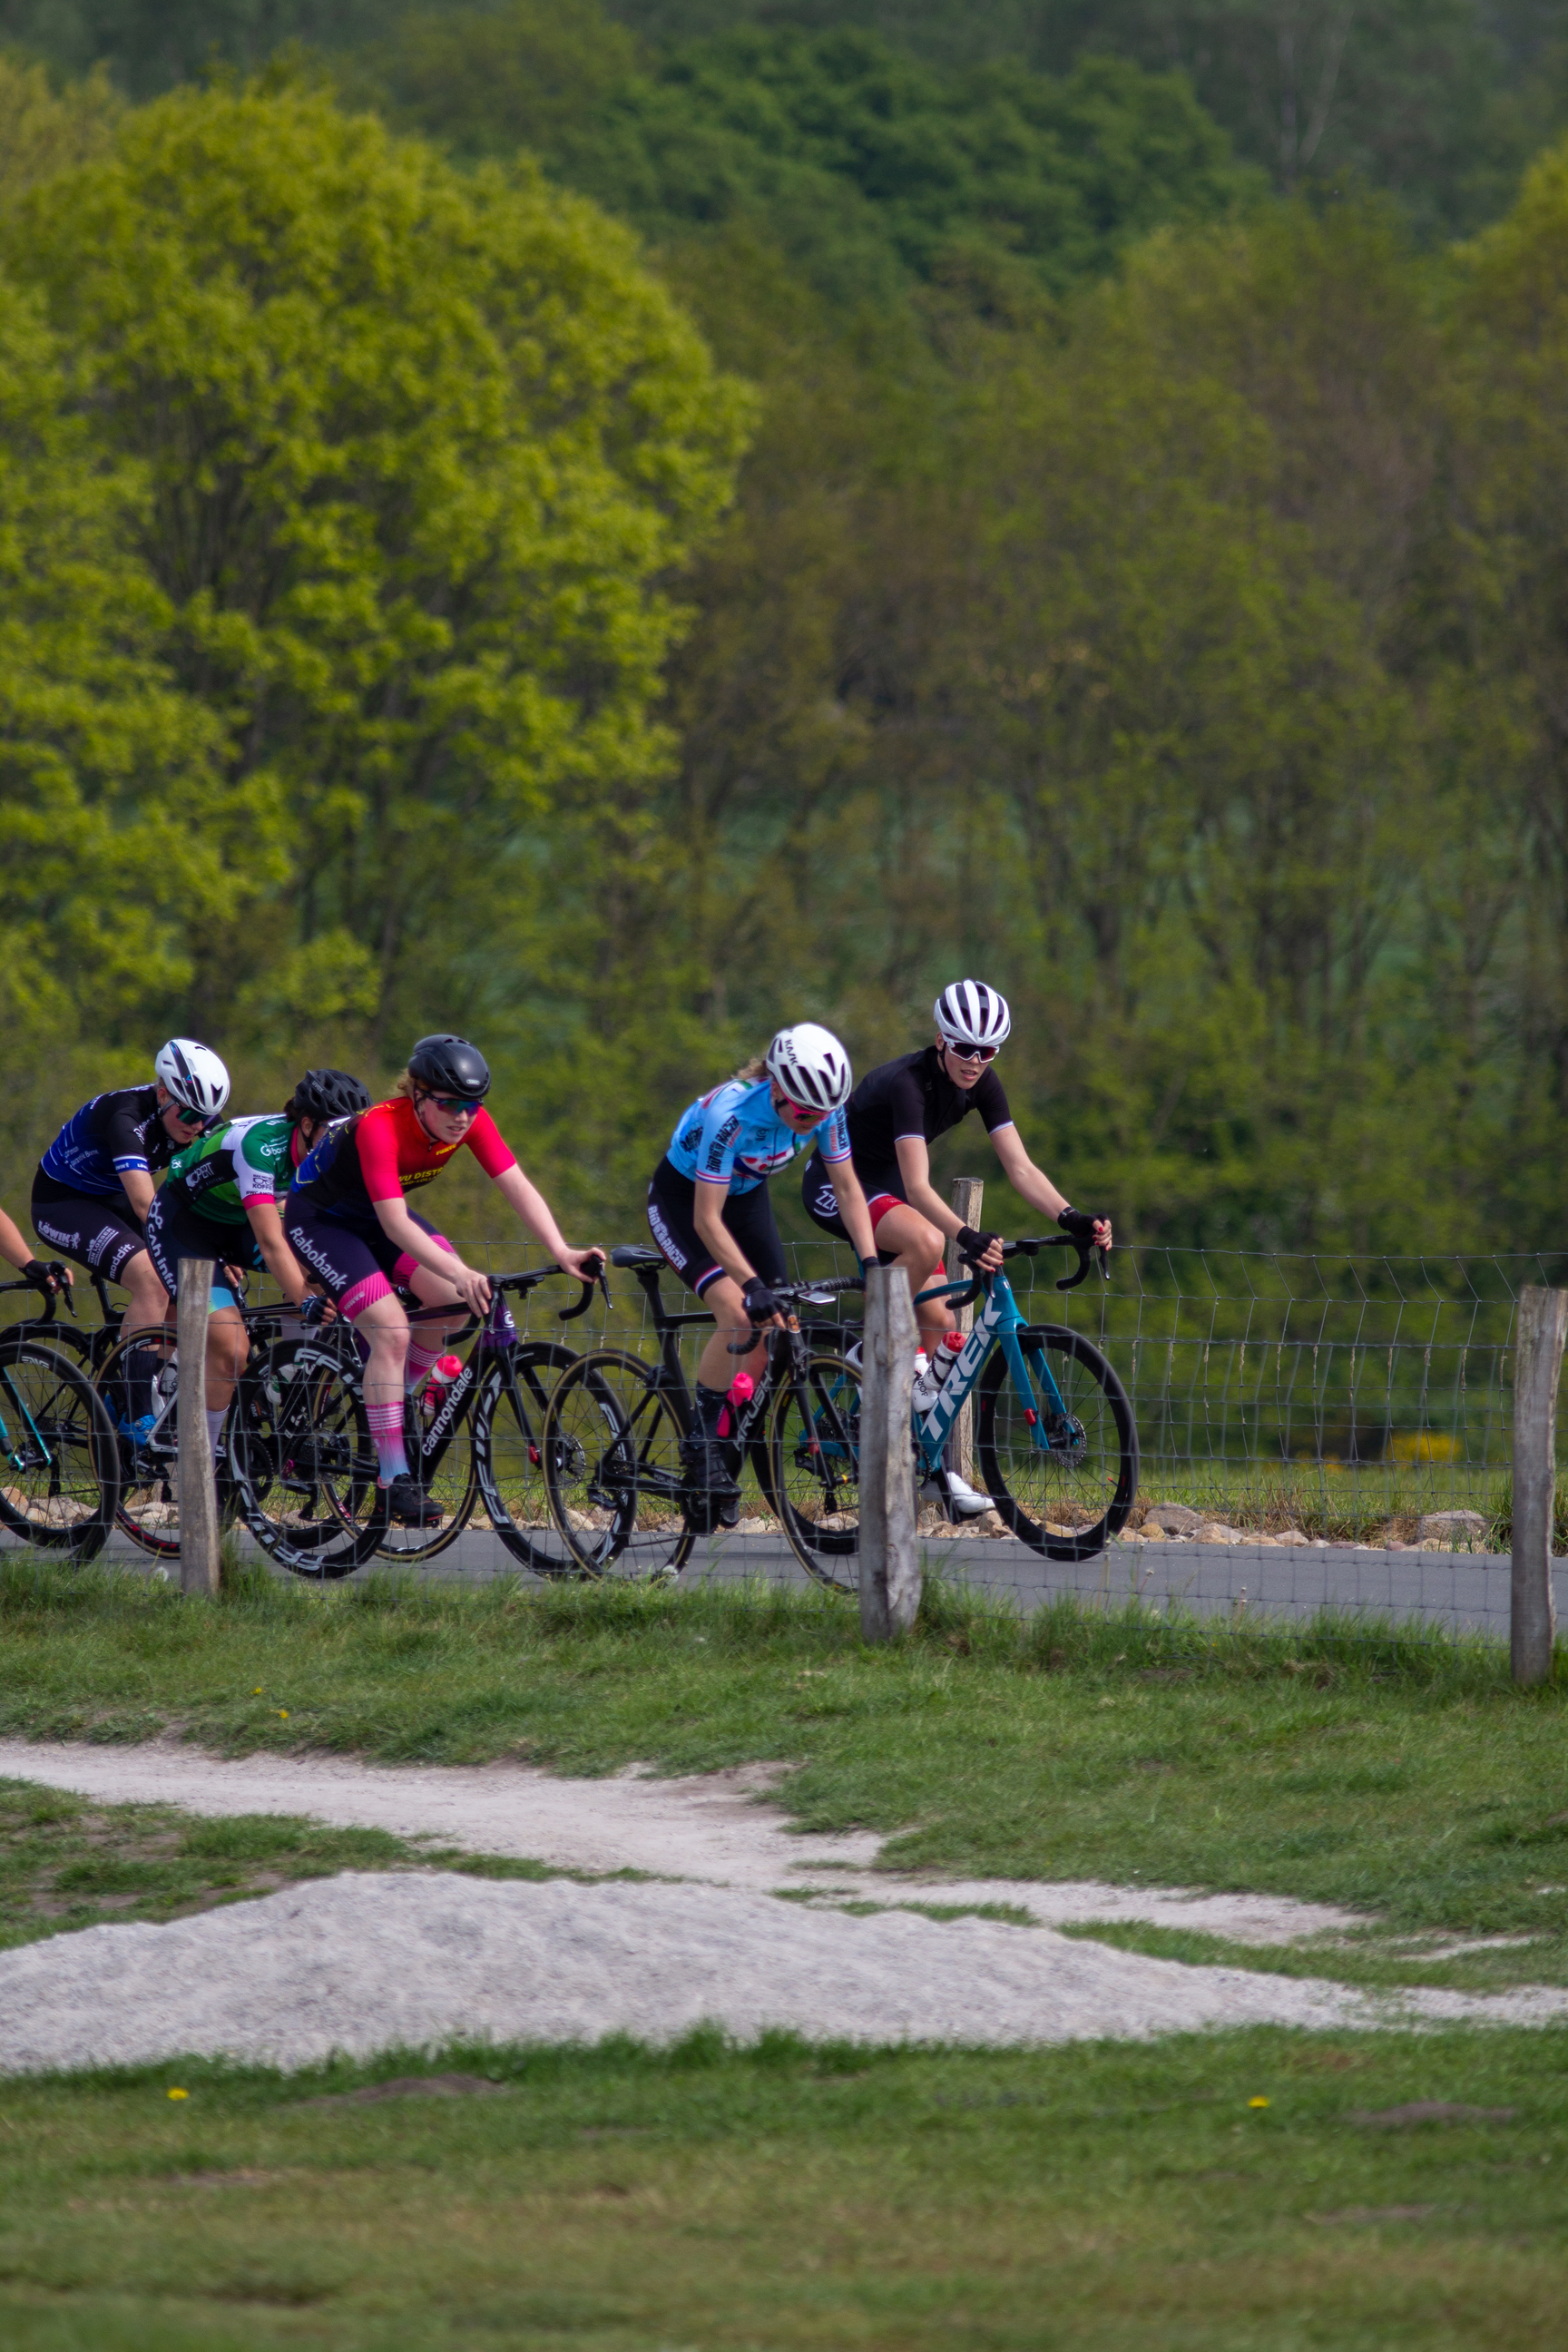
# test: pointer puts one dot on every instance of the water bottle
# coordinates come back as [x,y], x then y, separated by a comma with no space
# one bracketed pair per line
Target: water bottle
[949,1348]
[443,1372]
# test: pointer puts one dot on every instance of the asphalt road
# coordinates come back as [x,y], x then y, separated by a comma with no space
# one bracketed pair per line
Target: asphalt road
[1458,1590]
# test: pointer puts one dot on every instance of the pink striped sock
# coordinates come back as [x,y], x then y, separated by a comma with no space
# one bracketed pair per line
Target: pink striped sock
[419,1362]
[386,1428]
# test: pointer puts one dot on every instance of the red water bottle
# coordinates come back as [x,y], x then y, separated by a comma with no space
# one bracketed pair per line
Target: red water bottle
[443,1372]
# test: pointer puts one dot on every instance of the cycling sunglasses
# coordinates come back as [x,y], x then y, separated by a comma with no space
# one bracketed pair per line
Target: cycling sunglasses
[455,1105]
[188,1117]
[800,1111]
[973,1053]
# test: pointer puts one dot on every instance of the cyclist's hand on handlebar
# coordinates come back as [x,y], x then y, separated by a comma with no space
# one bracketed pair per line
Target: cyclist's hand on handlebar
[48,1278]
[472,1289]
[982,1251]
[761,1304]
[1087,1227]
[587,1265]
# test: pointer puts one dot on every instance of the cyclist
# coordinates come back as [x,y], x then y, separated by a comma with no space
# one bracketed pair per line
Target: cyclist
[709,1210]
[15,1251]
[94,1187]
[226,1181]
[349,1222]
[895,1115]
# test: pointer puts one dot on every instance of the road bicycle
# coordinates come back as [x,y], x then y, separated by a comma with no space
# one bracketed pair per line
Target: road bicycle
[1055,1444]
[59,1466]
[613,1435]
[304,1462]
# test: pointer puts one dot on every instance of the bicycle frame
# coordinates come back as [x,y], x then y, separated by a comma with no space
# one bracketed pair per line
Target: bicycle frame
[998,1325]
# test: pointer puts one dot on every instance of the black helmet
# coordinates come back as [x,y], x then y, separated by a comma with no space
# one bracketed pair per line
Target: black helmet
[328,1094]
[450,1065]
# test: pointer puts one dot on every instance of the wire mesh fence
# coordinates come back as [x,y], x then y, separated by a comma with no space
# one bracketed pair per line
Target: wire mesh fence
[1317,1434]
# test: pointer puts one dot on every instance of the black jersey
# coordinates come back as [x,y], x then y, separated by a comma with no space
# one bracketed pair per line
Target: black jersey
[913,1096]
[112,1135]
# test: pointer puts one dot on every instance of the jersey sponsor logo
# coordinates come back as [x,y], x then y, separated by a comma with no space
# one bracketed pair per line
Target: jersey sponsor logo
[664,1238]
[722,1142]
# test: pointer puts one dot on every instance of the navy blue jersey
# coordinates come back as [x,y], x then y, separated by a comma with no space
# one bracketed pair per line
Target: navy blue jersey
[111,1136]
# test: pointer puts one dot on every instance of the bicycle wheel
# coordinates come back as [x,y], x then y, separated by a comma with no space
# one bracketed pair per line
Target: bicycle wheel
[148,1508]
[303,1461]
[60,1464]
[1064,1487]
[612,1470]
[815,1465]
[509,1449]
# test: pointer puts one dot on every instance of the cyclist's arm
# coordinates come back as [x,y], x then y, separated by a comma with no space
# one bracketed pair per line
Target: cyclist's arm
[1033,1185]
[13,1248]
[140,1190]
[914,1166]
[525,1197]
[276,1255]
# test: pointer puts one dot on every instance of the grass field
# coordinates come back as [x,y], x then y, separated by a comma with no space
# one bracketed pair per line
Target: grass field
[1405,1775]
[619,2201]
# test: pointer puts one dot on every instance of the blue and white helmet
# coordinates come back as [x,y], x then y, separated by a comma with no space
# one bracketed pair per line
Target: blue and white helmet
[194,1075]
[969,1013]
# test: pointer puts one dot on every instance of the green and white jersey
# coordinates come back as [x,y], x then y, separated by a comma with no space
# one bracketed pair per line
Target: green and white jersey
[226,1172]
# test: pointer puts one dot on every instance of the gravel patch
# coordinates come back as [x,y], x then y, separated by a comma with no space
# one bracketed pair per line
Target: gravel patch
[364,1963]
[714,1827]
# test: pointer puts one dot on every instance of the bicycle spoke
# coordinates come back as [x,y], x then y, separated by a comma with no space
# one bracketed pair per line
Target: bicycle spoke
[614,1470]
[816,1454]
[58,1473]
[1060,1463]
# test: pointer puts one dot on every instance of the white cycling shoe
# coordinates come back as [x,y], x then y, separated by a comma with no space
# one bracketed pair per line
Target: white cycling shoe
[964,1501]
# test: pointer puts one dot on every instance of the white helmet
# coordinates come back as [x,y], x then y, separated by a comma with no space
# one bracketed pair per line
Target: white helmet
[194,1075]
[970,1013]
[811,1066]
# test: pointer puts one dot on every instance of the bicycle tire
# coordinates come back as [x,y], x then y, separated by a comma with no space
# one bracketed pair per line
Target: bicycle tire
[1068,1502]
[612,1469]
[509,1449]
[303,1460]
[148,1508]
[63,1429]
[814,1453]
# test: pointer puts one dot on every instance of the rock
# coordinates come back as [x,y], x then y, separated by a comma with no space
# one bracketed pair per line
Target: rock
[1217,1531]
[1460,1525]
[1291,1535]
[1172,1518]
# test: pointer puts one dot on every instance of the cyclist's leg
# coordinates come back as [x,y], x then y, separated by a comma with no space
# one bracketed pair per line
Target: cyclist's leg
[903,1238]
[175,1231]
[906,1238]
[427,1340]
[357,1265]
[102,1236]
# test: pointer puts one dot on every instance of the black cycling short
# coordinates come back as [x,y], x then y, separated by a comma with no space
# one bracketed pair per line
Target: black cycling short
[671,1217]
[100,1235]
[351,1258]
[174,1231]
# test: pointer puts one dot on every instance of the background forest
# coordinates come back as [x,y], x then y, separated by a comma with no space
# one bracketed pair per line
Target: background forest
[608,529]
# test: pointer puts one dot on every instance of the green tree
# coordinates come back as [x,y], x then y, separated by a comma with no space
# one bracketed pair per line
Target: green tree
[120,838]
[422,452]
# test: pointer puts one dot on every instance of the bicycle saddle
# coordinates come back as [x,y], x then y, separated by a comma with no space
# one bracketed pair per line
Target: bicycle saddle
[636,1253]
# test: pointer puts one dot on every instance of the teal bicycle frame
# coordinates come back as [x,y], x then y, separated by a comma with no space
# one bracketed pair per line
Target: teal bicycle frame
[998,1325]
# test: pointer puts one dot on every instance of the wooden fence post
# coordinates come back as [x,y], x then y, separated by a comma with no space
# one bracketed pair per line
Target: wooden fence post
[889,1563]
[198,1485]
[968,1196]
[1540,1327]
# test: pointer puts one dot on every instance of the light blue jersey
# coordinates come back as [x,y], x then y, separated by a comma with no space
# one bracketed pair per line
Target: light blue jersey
[734,1137]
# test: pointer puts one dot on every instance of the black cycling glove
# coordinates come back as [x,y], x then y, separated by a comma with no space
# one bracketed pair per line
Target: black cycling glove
[973,1246]
[868,1265]
[47,1279]
[312,1307]
[1080,1223]
[760,1302]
